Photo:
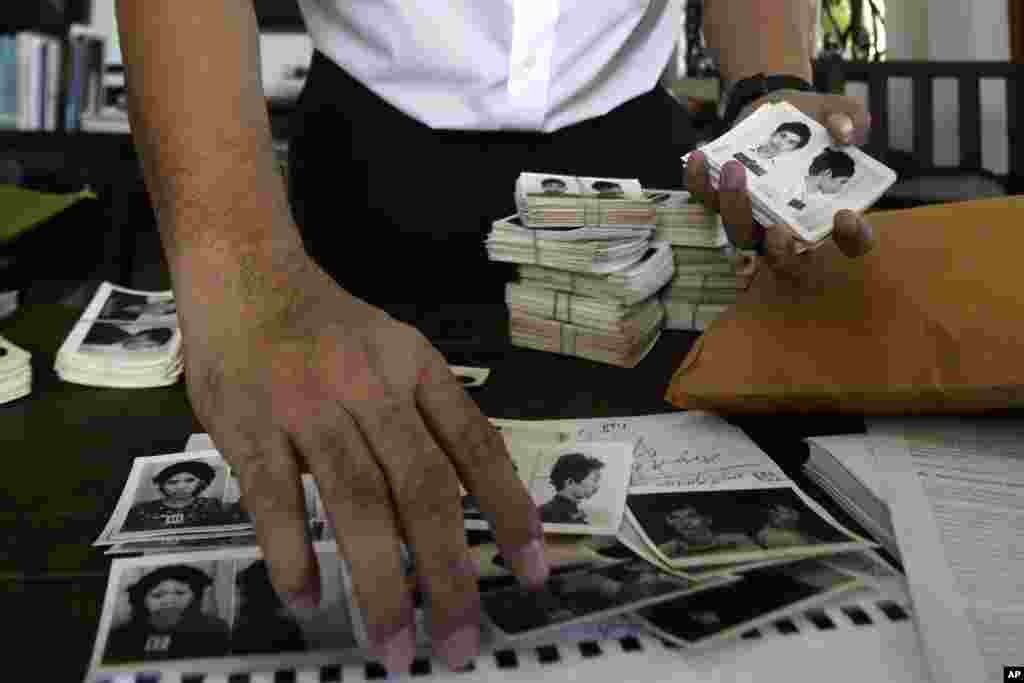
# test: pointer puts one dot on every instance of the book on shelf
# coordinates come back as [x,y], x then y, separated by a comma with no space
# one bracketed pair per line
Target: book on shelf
[843,468]
[37,74]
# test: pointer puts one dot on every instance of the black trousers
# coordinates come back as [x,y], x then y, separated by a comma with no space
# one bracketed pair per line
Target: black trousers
[397,212]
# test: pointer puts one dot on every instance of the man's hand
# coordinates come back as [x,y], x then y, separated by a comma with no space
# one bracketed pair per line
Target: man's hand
[848,122]
[288,371]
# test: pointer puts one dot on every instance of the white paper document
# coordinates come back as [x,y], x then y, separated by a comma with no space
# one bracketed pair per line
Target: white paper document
[956,491]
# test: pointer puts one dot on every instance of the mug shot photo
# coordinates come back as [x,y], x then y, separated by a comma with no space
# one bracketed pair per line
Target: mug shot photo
[107,337]
[760,597]
[553,186]
[698,527]
[583,595]
[130,307]
[787,137]
[183,499]
[783,529]
[172,615]
[607,189]
[695,533]
[828,174]
[263,624]
[575,477]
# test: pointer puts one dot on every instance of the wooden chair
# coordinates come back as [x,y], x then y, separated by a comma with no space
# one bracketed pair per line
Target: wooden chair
[922,181]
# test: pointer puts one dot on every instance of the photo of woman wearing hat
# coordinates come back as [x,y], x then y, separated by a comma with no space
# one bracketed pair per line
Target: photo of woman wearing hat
[181,503]
[167,619]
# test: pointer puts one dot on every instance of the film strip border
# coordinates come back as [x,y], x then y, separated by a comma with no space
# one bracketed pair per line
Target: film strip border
[853,615]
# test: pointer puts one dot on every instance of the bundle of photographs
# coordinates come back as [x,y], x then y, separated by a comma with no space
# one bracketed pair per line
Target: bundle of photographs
[126,338]
[675,524]
[15,372]
[796,175]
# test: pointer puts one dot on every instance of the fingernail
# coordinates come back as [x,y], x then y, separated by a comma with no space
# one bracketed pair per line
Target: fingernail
[305,600]
[397,652]
[868,235]
[529,559]
[842,126]
[864,133]
[733,176]
[460,647]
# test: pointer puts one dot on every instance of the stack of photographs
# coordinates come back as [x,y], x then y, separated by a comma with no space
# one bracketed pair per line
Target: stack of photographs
[684,222]
[589,271]
[630,286]
[796,176]
[125,339]
[189,501]
[510,242]
[625,349]
[15,372]
[561,201]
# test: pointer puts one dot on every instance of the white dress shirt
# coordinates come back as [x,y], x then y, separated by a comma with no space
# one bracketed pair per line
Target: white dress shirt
[535,65]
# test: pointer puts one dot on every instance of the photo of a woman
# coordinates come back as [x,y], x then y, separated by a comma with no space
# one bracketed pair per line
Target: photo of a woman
[181,503]
[167,620]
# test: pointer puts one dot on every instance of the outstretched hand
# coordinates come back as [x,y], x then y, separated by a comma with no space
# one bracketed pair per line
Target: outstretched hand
[288,371]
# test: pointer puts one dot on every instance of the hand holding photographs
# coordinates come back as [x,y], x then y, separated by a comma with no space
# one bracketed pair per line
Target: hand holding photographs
[796,175]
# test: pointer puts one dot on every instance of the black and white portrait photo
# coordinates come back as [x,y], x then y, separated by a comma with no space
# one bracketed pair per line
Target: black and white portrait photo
[575,477]
[182,495]
[578,488]
[827,175]
[125,338]
[176,611]
[744,523]
[582,595]
[134,306]
[762,158]
[552,185]
[757,598]
[607,189]
[219,606]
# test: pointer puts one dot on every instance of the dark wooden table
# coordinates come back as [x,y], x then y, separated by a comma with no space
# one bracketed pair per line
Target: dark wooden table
[67,451]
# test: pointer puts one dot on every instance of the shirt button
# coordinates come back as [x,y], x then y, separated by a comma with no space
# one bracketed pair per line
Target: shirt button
[530,62]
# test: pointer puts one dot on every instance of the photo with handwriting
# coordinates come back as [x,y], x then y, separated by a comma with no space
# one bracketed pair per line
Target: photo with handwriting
[175,611]
[183,495]
[695,523]
[580,595]
[760,596]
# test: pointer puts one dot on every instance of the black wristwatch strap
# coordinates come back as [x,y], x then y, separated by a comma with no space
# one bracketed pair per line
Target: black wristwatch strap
[746,90]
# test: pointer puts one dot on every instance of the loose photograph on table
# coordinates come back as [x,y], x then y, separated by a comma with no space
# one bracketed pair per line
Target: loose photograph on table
[580,596]
[740,525]
[760,597]
[176,494]
[217,612]
[578,487]
[175,609]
